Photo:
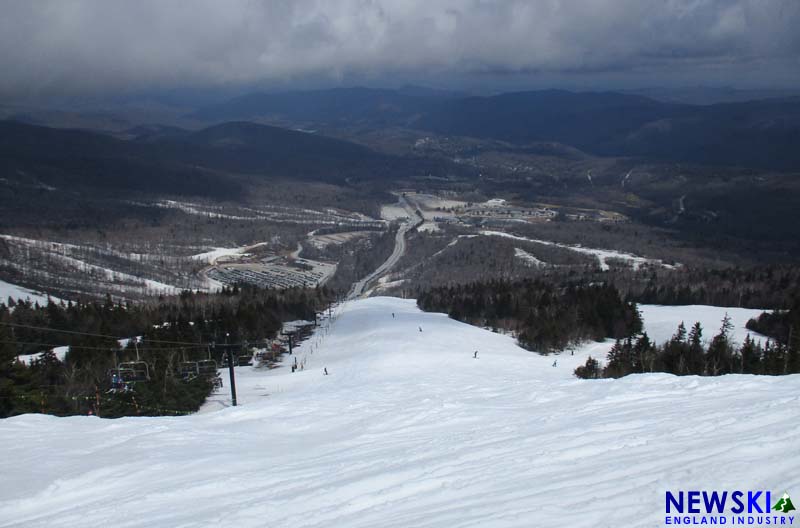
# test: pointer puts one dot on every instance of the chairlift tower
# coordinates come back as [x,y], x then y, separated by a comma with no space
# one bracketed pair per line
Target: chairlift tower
[229,352]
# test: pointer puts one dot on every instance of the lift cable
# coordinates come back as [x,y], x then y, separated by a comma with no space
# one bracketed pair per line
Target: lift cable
[89,334]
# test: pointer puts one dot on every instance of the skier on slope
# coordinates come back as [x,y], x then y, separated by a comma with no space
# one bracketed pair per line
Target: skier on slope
[475,355]
[325,370]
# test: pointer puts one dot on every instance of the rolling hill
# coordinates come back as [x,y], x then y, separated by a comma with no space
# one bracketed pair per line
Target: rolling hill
[760,133]
[168,160]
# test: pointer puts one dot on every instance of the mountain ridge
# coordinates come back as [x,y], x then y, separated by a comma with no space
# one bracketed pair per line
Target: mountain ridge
[762,133]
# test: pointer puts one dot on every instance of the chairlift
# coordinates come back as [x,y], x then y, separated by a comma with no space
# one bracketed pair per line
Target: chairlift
[137,370]
[245,361]
[134,371]
[120,379]
[207,368]
[188,370]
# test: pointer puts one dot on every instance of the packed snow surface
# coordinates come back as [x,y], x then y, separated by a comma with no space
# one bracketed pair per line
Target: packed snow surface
[408,430]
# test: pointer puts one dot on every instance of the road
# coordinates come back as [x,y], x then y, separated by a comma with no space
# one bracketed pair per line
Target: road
[360,287]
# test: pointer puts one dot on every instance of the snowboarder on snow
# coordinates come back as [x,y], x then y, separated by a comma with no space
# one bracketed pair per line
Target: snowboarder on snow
[325,370]
[420,329]
[475,355]
[392,315]
[555,363]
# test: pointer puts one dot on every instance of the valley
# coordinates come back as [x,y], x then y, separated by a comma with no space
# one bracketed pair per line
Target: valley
[253,273]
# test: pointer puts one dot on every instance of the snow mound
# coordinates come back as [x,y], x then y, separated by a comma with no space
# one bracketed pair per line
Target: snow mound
[409,430]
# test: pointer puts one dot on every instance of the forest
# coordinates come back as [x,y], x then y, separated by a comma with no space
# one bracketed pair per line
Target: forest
[544,316]
[775,286]
[155,338]
[783,326]
[687,354]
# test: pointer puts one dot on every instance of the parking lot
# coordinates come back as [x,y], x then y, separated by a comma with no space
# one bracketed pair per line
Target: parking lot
[274,274]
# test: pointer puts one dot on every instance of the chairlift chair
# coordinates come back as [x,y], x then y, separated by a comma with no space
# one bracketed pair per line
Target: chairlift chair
[188,370]
[245,361]
[140,371]
[207,368]
[120,379]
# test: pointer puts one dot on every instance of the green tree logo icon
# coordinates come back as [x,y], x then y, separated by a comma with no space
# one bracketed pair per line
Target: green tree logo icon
[784,504]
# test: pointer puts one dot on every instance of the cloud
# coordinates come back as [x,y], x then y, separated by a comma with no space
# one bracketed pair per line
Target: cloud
[76,46]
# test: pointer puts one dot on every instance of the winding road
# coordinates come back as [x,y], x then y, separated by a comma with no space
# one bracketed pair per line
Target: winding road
[360,287]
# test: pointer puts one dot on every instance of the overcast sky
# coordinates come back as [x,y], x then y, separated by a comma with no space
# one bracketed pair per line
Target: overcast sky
[101,46]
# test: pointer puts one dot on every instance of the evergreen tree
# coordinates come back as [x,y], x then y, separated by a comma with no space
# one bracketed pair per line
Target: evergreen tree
[793,350]
[620,360]
[643,354]
[749,357]
[719,357]
[694,358]
[674,357]
[589,370]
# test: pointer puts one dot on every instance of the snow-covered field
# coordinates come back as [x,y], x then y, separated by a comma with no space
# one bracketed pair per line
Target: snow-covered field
[430,201]
[19,293]
[393,212]
[60,352]
[602,255]
[528,259]
[661,321]
[408,430]
[429,227]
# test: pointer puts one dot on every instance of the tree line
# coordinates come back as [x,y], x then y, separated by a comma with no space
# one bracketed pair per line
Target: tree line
[169,331]
[544,316]
[783,326]
[686,354]
[774,286]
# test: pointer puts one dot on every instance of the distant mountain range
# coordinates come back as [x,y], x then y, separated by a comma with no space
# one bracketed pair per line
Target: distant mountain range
[214,162]
[762,133]
[339,106]
[171,160]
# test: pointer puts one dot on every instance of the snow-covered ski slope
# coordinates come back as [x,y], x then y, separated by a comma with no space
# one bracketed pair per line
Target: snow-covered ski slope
[408,430]
[18,293]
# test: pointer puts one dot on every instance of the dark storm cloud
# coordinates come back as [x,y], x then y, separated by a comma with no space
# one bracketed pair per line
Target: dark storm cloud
[89,45]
